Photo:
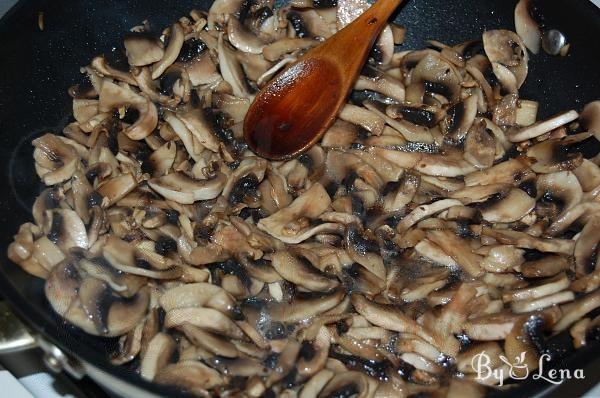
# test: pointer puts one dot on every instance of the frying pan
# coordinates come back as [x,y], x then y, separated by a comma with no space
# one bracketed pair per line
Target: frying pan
[37,67]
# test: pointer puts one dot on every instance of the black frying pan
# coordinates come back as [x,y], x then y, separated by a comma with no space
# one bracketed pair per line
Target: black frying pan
[36,68]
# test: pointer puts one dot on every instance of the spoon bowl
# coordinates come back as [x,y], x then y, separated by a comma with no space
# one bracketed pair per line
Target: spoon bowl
[296,108]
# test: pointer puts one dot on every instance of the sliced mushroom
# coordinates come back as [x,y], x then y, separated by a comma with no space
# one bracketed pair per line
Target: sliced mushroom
[185,190]
[157,356]
[55,160]
[291,223]
[192,376]
[204,318]
[590,118]
[143,48]
[295,270]
[512,207]
[113,96]
[543,127]
[526,27]
[507,50]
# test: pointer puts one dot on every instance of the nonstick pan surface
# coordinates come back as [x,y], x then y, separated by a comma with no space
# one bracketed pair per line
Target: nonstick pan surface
[37,67]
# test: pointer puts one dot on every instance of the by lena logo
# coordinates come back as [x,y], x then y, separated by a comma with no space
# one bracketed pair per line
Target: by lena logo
[518,369]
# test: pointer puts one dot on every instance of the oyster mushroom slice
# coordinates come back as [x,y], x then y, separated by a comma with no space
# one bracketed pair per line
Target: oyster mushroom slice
[180,188]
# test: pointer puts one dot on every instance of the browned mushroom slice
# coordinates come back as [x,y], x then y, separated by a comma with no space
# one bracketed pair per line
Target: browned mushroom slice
[116,188]
[590,118]
[157,356]
[424,211]
[428,164]
[546,266]
[239,367]
[352,382]
[553,155]
[526,27]
[220,9]
[510,172]
[490,327]
[232,106]
[176,39]
[182,189]
[143,48]
[478,193]
[438,75]
[285,363]
[459,119]
[313,354]
[305,308]
[231,69]
[64,228]
[458,249]
[162,159]
[502,258]
[103,68]
[506,49]
[544,288]
[114,96]
[586,247]
[388,317]
[363,117]
[204,318]
[129,346]
[291,224]
[295,270]
[542,127]
[242,38]
[480,146]
[197,295]
[466,359]
[315,384]
[55,160]
[382,83]
[278,49]
[192,376]
[509,208]
[93,306]
[526,241]
[576,310]
[365,251]
[210,342]
[404,194]
[84,109]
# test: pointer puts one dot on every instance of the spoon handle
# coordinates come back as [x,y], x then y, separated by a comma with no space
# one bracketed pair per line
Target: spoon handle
[353,43]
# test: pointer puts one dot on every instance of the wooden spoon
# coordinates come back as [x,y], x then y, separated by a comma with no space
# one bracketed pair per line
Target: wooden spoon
[296,108]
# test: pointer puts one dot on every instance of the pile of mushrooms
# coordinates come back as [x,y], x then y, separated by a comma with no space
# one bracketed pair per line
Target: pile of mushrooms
[436,219]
